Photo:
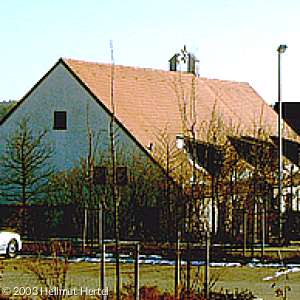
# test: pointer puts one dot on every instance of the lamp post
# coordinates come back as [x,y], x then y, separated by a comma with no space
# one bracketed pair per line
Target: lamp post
[281,49]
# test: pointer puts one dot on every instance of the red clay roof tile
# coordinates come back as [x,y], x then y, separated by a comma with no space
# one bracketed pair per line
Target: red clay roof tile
[148,100]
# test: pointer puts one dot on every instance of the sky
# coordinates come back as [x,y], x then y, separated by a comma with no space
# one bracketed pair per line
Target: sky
[233,39]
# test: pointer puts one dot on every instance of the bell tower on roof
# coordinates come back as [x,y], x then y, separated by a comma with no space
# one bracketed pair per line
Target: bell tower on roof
[185,62]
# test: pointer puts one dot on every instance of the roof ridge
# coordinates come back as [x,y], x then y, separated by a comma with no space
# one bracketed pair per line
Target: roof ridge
[225,80]
[65,59]
[108,64]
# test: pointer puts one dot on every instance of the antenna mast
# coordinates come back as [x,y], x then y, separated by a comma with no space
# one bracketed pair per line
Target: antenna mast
[114,159]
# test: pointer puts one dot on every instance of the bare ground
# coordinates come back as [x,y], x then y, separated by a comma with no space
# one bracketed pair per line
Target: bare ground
[15,273]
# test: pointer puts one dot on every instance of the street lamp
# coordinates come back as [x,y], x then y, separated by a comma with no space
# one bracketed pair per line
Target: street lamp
[281,49]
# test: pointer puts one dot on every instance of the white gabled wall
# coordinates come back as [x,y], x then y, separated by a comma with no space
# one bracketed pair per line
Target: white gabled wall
[60,91]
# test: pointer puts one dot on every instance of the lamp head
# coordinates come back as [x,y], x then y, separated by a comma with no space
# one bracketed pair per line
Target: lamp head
[282,48]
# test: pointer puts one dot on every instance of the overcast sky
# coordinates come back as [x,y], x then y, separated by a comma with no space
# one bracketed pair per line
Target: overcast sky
[234,39]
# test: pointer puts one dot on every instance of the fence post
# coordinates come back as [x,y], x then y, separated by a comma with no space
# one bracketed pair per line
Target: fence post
[84,228]
[177,264]
[136,272]
[102,247]
[245,235]
[263,225]
[207,244]
[103,269]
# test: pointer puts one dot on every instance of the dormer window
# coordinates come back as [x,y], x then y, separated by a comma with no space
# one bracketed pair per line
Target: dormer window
[60,120]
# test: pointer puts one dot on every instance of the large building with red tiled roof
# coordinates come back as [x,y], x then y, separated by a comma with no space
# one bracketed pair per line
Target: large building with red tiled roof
[73,101]
[146,102]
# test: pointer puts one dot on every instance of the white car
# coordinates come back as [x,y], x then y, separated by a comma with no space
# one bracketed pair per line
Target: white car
[10,243]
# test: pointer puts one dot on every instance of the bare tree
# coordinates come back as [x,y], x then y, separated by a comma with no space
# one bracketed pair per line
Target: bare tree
[25,168]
